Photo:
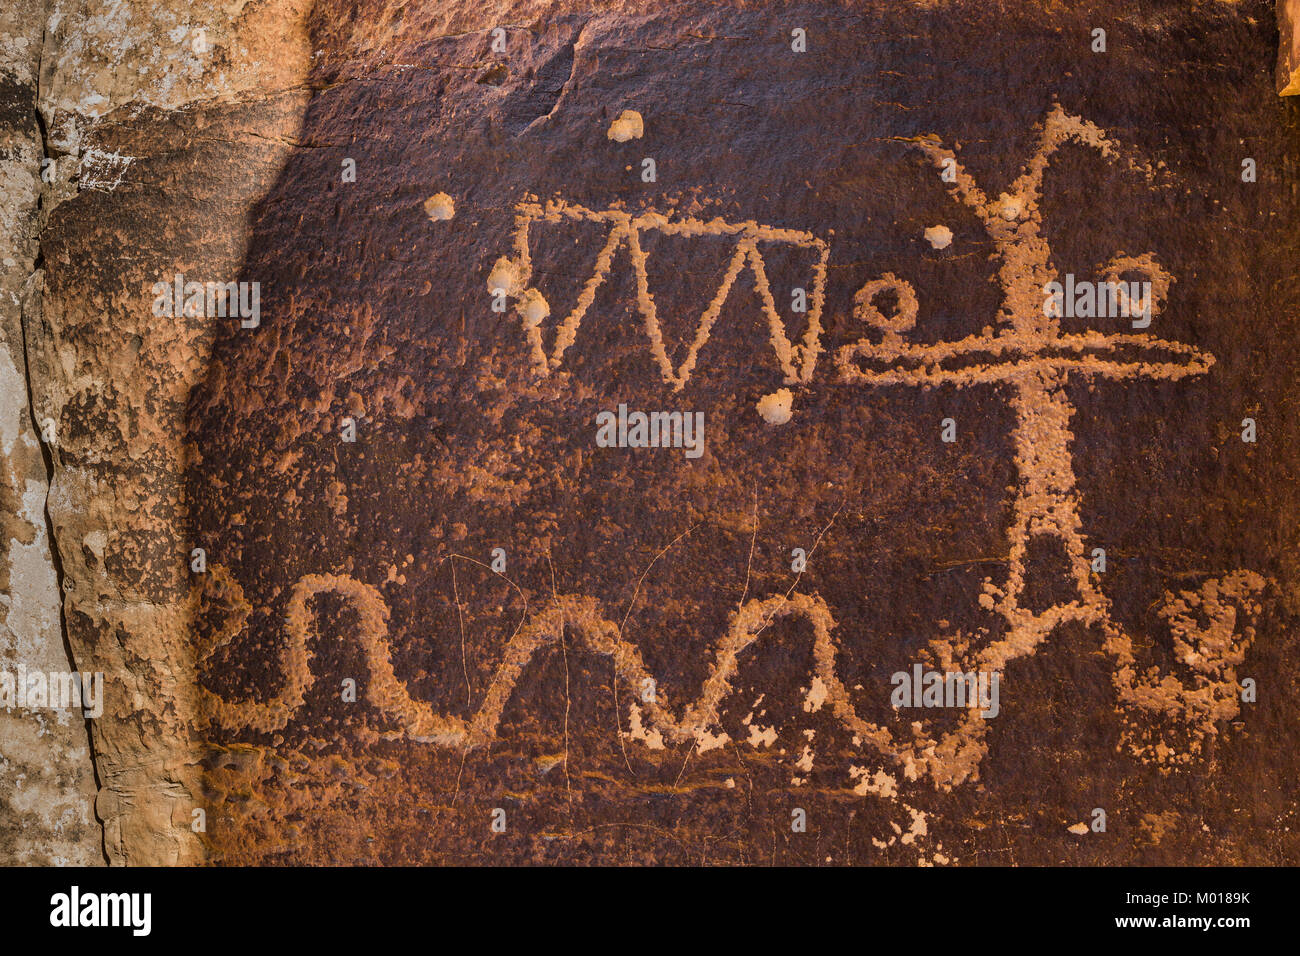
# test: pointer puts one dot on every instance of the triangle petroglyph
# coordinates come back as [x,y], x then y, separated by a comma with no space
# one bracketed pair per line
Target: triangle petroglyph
[511,276]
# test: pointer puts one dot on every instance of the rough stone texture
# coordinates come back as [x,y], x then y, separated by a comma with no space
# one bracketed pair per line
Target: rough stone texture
[47,784]
[648,679]
[163,140]
[1288,55]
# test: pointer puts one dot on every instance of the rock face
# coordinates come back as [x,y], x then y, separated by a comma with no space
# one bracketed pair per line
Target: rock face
[164,127]
[47,784]
[1288,57]
[382,564]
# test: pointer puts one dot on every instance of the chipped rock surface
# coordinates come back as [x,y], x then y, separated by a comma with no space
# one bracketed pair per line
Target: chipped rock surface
[375,690]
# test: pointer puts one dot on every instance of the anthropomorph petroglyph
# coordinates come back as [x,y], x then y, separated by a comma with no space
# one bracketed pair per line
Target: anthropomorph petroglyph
[1028,358]
[1034,360]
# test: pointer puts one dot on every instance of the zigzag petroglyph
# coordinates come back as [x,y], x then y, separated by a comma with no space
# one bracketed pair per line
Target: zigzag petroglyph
[512,277]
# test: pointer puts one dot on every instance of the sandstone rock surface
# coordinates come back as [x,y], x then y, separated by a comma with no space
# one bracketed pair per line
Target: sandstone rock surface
[47,783]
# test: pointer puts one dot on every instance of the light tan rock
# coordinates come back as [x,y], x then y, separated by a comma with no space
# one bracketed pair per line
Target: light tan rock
[47,784]
[122,83]
[1288,54]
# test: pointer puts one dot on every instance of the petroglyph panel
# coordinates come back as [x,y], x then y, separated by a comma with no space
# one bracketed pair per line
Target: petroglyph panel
[468,604]
[855,433]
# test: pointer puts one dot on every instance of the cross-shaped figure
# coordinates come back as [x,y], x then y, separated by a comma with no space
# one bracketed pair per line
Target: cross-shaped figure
[1036,360]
